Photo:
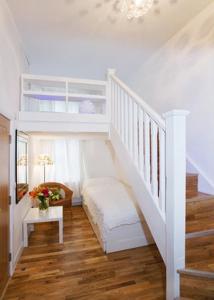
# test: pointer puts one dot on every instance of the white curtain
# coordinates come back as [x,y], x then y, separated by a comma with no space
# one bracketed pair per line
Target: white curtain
[65,154]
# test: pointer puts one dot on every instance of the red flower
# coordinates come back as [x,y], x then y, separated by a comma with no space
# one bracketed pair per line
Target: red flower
[45,192]
[39,192]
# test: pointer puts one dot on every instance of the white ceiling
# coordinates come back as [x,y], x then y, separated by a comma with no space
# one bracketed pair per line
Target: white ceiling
[68,37]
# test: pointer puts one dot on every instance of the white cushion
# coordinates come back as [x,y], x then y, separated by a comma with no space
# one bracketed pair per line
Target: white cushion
[99,181]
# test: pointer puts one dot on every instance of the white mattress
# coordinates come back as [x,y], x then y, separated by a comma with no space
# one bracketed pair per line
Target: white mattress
[109,203]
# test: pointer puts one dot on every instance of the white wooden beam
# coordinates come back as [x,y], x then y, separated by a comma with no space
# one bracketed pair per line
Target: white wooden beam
[175,198]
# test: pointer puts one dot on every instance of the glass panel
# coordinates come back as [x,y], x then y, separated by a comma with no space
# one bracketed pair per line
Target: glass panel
[88,89]
[85,106]
[44,86]
[45,103]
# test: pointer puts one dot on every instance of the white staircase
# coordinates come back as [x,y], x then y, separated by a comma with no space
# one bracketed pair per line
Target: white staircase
[151,149]
[153,152]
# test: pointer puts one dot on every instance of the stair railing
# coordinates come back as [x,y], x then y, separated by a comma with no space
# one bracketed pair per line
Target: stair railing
[157,148]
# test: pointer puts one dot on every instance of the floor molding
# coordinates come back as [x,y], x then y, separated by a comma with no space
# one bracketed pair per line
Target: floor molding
[16,259]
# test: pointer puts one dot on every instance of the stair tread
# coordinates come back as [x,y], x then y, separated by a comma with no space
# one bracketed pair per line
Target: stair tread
[191,174]
[191,185]
[196,273]
[200,197]
[202,228]
[199,256]
[200,214]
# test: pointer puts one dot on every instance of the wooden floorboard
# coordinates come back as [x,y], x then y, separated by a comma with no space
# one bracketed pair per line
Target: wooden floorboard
[200,253]
[200,213]
[79,270]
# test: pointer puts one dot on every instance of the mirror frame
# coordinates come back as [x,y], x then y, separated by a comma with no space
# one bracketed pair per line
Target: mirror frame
[21,188]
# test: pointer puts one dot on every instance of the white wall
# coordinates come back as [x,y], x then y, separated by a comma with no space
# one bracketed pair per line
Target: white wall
[89,58]
[97,160]
[180,75]
[12,63]
[84,38]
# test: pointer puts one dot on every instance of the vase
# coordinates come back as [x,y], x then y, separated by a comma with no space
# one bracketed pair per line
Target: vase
[43,206]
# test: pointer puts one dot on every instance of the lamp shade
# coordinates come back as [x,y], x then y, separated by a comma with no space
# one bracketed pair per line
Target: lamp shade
[44,160]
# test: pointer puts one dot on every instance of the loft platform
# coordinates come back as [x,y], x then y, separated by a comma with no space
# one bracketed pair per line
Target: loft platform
[62,122]
[63,104]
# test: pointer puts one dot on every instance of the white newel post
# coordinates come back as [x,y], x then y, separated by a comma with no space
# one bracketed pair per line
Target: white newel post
[109,93]
[175,199]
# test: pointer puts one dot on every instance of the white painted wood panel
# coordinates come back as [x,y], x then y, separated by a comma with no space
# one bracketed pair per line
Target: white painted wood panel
[152,215]
[154,160]
[126,121]
[135,134]
[147,150]
[162,171]
[175,199]
[141,143]
[131,138]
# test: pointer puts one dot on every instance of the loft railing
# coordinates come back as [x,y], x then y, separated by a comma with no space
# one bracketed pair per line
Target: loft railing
[157,148]
[63,95]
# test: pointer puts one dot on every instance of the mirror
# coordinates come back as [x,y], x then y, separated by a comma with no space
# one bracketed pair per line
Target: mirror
[21,165]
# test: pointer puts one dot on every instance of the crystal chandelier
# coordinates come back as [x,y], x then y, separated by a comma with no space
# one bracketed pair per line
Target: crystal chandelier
[136,8]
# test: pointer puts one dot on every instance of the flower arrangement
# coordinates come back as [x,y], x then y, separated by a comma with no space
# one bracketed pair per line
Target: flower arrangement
[44,195]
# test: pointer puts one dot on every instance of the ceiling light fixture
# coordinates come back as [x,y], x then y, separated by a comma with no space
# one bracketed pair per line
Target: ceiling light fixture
[136,8]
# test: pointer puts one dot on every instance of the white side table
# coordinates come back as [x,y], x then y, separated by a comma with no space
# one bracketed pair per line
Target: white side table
[33,216]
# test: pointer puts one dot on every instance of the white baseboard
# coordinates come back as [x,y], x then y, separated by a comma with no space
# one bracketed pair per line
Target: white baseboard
[77,201]
[15,259]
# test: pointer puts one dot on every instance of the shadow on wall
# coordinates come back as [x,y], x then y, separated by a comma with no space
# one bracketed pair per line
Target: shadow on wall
[189,48]
[113,6]
[180,76]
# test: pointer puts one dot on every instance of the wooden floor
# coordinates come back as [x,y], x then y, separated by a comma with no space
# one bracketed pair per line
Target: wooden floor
[79,270]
